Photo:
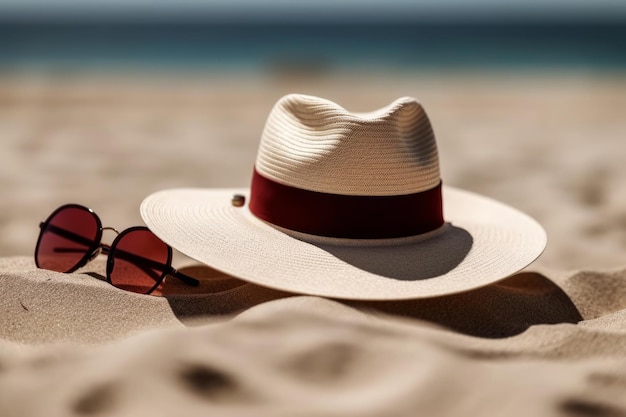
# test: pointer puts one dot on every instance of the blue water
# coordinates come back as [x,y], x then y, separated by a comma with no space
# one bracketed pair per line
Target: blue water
[314,46]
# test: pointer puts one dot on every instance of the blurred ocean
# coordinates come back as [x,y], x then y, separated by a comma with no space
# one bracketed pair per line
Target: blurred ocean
[313,47]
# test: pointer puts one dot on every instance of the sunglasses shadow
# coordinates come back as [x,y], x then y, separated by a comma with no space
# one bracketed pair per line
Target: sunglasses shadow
[96,275]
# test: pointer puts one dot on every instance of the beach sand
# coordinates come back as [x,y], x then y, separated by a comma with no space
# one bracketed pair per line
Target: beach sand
[548,341]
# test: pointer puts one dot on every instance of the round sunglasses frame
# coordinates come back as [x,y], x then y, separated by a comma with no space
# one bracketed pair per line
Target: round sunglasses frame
[111,258]
[93,248]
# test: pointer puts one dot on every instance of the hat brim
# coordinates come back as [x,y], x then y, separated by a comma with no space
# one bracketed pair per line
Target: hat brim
[482,242]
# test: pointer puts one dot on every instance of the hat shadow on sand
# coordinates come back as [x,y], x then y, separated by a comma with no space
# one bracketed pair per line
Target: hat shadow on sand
[499,310]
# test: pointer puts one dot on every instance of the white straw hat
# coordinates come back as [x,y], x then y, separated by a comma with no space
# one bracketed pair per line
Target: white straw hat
[348,205]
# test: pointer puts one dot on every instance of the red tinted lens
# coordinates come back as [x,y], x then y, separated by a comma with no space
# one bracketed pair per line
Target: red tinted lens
[138,261]
[67,239]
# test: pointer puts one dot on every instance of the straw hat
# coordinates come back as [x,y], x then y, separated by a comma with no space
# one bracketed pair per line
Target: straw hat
[348,205]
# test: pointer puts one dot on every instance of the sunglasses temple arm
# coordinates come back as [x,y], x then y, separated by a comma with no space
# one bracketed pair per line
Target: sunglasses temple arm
[185,278]
[68,235]
[145,264]
[105,250]
[148,265]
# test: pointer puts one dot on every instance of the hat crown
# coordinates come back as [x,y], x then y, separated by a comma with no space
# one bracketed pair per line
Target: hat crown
[314,144]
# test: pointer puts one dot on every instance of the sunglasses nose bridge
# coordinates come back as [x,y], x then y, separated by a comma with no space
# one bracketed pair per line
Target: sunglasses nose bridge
[113,229]
[105,248]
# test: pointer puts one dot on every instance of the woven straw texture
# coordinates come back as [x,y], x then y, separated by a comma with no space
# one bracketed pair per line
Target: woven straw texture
[317,145]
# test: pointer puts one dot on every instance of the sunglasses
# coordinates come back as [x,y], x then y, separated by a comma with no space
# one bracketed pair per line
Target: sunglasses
[138,261]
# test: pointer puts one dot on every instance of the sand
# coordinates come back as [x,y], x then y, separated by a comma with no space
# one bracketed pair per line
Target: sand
[548,341]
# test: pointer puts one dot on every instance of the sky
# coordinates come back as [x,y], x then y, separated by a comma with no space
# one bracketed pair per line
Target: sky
[314,8]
